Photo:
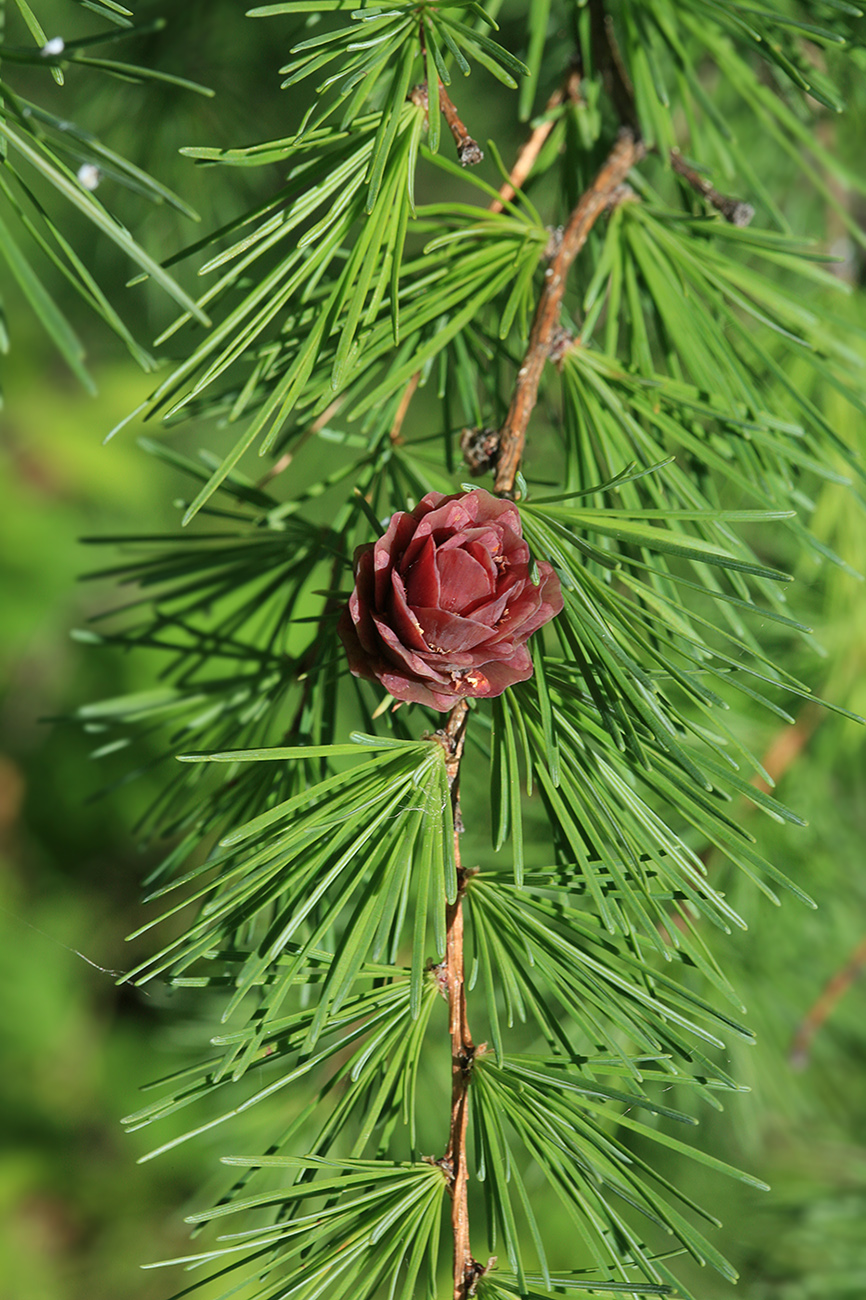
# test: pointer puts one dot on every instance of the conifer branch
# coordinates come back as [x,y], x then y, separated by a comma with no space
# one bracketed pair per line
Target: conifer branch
[466,1270]
[626,152]
[310,861]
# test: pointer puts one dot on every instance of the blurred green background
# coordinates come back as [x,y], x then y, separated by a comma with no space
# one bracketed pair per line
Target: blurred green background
[77,1214]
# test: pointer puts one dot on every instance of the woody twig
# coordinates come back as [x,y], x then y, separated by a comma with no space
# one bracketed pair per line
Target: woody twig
[733,210]
[568,92]
[466,1270]
[468,150]
[627,151]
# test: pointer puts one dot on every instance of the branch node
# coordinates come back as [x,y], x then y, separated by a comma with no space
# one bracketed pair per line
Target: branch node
[480,448]
[561,343]
[473,1273]
[420,96]
[736,211]
[466,1057]
[439,971]
[554,243]
[622,194]
[469,153]
[441,1162]
[741,213]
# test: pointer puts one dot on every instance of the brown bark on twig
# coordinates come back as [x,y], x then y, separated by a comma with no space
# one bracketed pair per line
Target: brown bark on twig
[408,394]
[480,448]
[819,1012]
[625,153]
[468,150]
[733,210]
[466,1270]
[462,1051]
[568,92]
[317,426]
[788,744]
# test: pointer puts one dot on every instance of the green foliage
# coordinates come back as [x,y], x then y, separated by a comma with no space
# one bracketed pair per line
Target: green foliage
[305,870]
[379,1224]
[50,165]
